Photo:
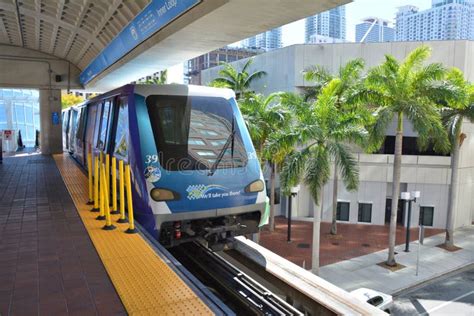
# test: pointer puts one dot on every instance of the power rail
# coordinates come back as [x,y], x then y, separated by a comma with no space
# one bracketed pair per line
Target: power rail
[241,293]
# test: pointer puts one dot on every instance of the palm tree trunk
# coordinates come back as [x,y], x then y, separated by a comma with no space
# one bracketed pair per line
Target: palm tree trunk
[316,234]
[453,190]
[334,201]
[272,196]
[397,167]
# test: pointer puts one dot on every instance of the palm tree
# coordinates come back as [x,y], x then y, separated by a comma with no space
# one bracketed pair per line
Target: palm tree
[462,108]
[264,116]
[346,100]
[239,81]
[162,79]
[318,137]
[408,90]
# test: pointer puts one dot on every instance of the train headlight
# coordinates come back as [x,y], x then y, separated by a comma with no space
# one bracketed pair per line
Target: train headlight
[160,195]
[256,186]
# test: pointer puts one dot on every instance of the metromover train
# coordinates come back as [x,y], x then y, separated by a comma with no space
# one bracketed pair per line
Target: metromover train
[194,170]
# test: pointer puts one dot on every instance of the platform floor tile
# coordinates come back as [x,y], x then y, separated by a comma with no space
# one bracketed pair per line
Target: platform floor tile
[144,282]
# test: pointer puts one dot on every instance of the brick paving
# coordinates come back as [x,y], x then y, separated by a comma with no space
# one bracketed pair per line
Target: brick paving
[48,265]
[352,240]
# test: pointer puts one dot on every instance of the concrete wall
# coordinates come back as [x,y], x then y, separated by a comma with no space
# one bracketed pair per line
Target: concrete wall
[465,206]
[25,68]
[429,175]
[50,134]
[285,66]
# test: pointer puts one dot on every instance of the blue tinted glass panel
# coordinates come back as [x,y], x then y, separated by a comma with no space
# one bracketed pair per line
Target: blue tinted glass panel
[30,133]
[28,115]
[3,113]
[20,113]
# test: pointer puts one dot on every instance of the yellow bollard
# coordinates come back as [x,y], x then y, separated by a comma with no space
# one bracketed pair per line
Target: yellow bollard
[122,218]
[89,174]
[114,187]
[102,195]
[107,172]
[96,185]
[108,220]
[131,229]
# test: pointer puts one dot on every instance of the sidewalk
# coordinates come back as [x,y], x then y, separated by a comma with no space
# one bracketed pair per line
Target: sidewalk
[352,240]
[364,272]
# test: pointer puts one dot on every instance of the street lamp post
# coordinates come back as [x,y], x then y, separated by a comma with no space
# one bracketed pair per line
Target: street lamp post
[293,193]
[409,197]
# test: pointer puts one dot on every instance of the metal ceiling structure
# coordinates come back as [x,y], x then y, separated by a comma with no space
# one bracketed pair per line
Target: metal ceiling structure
[73,30]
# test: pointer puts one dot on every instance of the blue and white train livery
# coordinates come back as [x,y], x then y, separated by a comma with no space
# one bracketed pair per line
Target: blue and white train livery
[195,173]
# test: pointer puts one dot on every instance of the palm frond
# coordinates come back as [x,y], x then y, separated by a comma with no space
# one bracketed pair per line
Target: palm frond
[292,170]
[252,77]
[317,74]
[414,60]
[346,164]
[317,171]
[247,64]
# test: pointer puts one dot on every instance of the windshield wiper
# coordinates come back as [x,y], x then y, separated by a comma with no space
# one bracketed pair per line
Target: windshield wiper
[230,140]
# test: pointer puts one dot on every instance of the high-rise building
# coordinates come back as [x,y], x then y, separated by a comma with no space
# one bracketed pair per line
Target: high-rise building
[445,20]
[330,23]
[267,40]
[214,58]
[374,30]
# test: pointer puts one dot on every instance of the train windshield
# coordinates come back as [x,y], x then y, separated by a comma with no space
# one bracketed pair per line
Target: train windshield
[191,132]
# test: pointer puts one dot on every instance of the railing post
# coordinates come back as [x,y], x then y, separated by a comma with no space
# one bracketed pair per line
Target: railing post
[114,187]
[89,173]
[107,172]
[102,193]
[108,220]
[96,185]
[122,218]
[131,229]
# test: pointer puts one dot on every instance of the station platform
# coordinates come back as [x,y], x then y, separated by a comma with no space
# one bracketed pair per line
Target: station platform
[56,259]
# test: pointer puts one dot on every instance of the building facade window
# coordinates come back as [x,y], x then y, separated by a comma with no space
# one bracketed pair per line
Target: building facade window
[365,213]
[343,210]
[427,215]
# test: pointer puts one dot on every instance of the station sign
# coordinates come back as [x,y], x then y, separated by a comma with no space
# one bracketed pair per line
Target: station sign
[153,18]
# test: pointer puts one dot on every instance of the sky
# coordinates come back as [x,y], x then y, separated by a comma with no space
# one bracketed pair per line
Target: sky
[293,33]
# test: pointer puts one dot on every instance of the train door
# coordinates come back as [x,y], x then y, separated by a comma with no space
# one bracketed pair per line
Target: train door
[72,130]
[79,138]
[65,129]
[102,138]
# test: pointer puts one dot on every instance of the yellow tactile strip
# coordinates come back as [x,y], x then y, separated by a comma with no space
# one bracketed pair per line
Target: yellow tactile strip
[145,284]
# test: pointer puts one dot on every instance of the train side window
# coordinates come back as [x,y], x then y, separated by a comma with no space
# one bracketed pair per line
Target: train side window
[112,110]
[121,134]
[103,125]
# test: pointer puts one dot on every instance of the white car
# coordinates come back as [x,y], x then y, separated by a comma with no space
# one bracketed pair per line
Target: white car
[378,299]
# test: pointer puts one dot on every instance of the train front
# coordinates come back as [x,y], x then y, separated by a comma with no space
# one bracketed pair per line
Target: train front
[201,176]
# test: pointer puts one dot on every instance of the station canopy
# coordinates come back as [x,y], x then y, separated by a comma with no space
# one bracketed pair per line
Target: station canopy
[74,30]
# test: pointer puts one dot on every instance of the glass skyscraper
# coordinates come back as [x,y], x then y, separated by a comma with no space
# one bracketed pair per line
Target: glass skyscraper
[19,111]
[268,40]
[374,30]
[330,23]
[445,20]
